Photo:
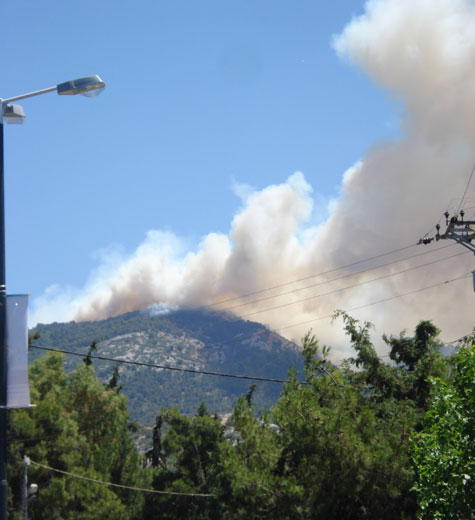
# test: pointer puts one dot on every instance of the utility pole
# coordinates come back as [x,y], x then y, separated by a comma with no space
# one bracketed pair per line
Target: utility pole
[3,341]
[458,229]
[28,492]
[26,460]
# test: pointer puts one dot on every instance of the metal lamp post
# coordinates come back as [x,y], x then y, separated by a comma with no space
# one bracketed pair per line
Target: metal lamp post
[11,113]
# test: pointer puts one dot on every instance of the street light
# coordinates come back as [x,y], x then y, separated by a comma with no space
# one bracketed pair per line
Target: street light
[84,86]
[28,492]
[12,113]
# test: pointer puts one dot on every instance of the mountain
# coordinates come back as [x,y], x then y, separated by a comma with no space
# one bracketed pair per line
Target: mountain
[192,339]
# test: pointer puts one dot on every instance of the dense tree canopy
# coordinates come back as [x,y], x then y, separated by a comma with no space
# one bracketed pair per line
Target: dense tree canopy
[80,427]
[334,447]
[444,451]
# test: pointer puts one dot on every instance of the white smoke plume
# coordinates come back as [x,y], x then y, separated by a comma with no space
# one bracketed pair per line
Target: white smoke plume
[422,52]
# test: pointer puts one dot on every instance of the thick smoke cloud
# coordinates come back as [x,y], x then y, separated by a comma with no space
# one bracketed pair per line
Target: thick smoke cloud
[422,52]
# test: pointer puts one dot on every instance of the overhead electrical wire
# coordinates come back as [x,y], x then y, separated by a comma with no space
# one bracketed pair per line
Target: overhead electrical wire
[311,276]
[466,189]
[455,199]
[469,208]
[348,275]
[164,367]
[150,365]
[354,285]
[379,301]
[111,484]
[459,340]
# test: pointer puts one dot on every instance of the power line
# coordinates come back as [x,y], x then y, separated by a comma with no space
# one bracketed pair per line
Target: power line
[459,340]
[449,205]
[468,208]
[354,285]
[111,484]
[466,189]
[164,367]
[310,276]
[335,279]
[378,302]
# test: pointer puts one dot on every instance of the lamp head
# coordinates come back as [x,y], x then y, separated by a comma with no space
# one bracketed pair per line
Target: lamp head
[13,114]
[32,489]
[88,86]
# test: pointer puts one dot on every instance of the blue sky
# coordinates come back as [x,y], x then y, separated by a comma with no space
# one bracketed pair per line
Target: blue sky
[200,95]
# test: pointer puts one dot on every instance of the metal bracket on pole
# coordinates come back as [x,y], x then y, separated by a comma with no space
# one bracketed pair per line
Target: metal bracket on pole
[458,229]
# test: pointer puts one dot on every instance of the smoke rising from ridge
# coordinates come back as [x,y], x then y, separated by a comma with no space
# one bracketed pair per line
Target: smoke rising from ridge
[422,52]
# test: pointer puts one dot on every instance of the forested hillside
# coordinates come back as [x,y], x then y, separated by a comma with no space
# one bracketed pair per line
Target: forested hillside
[367,440]
[187,339]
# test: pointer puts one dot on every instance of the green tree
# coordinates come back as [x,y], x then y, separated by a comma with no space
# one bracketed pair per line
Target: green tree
[78,426]
[418,358]
[346,459]
[443,453]
[186,458]
[248,487]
